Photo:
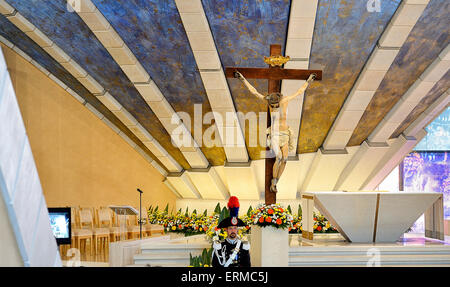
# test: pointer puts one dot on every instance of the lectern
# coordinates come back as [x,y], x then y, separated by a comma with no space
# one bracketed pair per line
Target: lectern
[122,212]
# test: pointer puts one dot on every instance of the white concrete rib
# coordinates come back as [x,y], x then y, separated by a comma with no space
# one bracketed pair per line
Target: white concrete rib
[411,98]
[207,58]
[429,114]
[94,87]
[150,92]
[373,73]
[398,149]
[402,145]
[302,19]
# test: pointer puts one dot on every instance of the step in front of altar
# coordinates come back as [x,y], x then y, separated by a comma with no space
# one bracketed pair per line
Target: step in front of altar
[327,250]
[173,254]
[360,255]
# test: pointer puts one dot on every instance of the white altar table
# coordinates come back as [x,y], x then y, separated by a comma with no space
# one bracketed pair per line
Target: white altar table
[374,216]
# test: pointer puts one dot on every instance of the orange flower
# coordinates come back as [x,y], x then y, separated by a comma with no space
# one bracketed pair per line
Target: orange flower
[319,228]
[270,211]
[290,229]
[269,219]
[261,219]
[279,221]
[281,210]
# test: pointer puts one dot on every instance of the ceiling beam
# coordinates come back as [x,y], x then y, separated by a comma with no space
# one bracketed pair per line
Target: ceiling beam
[370,78]
[208,183]
[361,166]
[406,142]
[139,77]
[301,24]
[398,149]
[429,114]
[241,180]
[330,163]
[208,62]
[183,185]
[435,71]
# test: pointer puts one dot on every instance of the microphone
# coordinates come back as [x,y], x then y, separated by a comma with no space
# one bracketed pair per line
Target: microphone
[140,191]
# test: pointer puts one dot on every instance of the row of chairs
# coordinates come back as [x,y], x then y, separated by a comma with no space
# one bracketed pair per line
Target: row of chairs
[101,225]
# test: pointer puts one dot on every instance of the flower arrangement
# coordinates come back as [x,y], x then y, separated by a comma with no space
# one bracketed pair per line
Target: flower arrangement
[322,225]
[271,215]
[195,223]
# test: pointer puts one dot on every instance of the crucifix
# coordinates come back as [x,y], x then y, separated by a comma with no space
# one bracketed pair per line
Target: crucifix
[279,134]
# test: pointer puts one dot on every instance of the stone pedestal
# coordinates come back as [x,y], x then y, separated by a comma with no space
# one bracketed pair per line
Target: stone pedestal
[308,217]
[269,247]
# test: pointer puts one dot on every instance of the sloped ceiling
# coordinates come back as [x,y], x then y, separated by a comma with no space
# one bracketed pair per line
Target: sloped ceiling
[345,35]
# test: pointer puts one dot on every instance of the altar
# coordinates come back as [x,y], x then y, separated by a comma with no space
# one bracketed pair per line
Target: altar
[374,216]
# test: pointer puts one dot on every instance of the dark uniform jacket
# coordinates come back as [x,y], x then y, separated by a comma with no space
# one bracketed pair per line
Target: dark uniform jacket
[242,258]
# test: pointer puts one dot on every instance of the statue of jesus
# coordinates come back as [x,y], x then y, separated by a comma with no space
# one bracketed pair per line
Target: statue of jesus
[279,134]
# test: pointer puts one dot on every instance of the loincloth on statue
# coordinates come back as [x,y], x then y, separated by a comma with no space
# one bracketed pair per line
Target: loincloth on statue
[283,138]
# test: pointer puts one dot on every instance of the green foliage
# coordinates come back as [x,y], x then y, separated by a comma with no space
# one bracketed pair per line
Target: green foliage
[249,211]
[166,210]
[187,211]
[224,214]
[156,209]
[150,209]
[299,210]
[289,209]
[201,260]
[194,212]
[205,213]
[217,209]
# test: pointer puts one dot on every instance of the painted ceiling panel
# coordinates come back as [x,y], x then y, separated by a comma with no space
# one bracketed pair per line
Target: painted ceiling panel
[23,42]
[243,32]
[344,37]
[437,91]
[345,34]
[155,34]
[71,34]
[427,39]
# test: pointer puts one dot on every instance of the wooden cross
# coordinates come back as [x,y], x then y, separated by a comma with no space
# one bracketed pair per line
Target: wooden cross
[274,75]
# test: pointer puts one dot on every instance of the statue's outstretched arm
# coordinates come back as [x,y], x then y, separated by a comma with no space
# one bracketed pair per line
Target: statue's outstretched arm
[301,90]
[248,85]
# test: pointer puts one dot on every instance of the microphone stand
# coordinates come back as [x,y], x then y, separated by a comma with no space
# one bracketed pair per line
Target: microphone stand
[140,213]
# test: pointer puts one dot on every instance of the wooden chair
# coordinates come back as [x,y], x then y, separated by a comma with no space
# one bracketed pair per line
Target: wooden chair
[102,229]
[156,229]
[115,231]
[133,227]
[152,229]
[84,231]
